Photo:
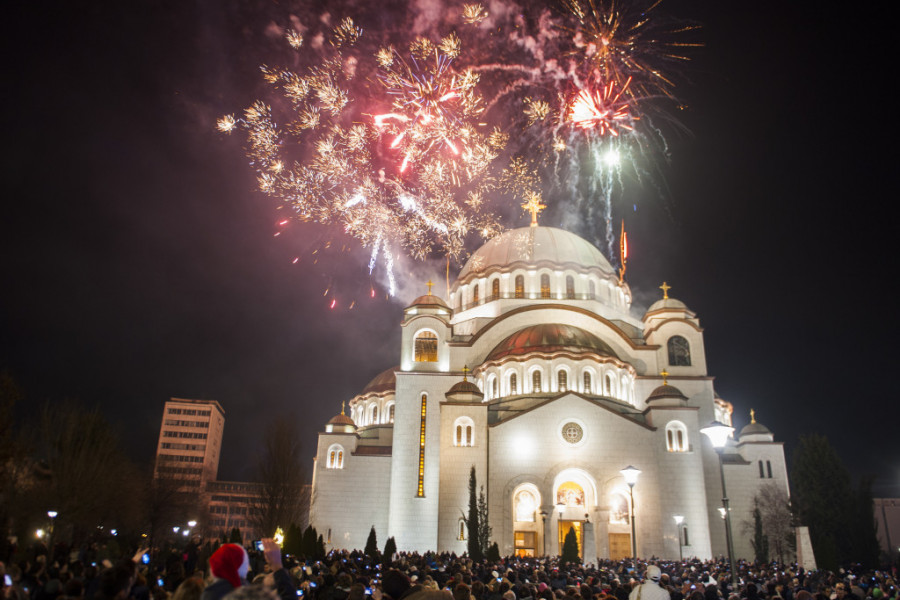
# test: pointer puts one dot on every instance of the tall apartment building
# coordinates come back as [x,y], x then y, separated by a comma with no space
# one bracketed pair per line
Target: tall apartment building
[190,442]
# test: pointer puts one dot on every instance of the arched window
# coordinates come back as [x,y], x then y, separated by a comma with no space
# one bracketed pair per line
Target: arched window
[570,287]
[679,351]
[459,301]
[495,385]
[610,386]
[391,413]
[593,289]
[769,468]
[618,508]
[562,380]
[335,457]
[587,382]
[762,473]
[464,432]
[374,415]
[475,293]
[545,286]
[526,502]
[426,347]
[495,289]
[536,381]
[676,437]
[513,385]
[520,286]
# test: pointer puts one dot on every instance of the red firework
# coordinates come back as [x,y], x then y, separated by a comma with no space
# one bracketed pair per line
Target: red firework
[603,110]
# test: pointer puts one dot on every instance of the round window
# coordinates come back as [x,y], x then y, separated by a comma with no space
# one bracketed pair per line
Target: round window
[572,432]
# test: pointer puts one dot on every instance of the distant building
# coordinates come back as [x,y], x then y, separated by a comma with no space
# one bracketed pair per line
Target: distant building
[190,442]
[188,452]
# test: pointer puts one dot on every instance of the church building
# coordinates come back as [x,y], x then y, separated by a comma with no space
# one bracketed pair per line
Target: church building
[536,372]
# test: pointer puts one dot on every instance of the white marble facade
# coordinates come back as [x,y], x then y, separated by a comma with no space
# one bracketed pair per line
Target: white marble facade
[535,372]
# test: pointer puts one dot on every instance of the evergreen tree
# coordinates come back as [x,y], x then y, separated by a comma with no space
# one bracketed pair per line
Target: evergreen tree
[293,540]
[236,537]
[570,548]
[308,544]
[493,553]
[320,548]
[759,541]
[841,520]
[390,549]
[372,544]
[484,527]
[472,523]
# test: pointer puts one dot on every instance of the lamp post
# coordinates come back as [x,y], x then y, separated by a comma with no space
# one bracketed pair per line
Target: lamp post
[52,514]
[679,519]
[631,476]
[718,433]
[543,532]
[560,508]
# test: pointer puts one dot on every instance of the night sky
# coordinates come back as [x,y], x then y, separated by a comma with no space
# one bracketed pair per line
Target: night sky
[139,263]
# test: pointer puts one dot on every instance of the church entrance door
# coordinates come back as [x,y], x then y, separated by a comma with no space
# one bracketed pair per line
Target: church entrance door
[564,527]
[619,546]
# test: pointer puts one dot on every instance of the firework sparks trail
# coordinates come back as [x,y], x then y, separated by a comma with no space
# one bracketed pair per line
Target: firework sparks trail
[406,150]
[324,158]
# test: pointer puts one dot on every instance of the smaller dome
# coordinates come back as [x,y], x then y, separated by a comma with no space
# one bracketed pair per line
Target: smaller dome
[383,382]
[466,387]
[550,337]
[666,391]
[755,429]
[429,300]
[341,419]
[667,303]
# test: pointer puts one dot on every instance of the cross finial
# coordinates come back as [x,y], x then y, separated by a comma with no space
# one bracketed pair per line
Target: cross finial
[534,206]
[343,403]
[752,416]
[665,375]
[466,371]
[665,288]
[429,284]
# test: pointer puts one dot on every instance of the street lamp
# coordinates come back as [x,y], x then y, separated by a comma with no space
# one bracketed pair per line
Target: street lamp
[192,524]
[52,514]
[543,532]
[679,519]
[718,433]
[561,508]
[631,476]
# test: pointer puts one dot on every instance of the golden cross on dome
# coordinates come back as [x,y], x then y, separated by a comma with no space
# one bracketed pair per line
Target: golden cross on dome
[429,284]
[665,374]
[466,371]
[343,402]
[534,206]
[665,288]
[752,416]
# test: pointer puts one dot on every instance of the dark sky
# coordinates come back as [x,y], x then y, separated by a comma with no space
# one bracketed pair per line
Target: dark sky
[138,262]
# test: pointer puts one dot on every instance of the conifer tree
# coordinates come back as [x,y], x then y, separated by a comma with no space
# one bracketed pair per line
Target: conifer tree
[472,523]
[390,549]
[236,537]
[371,549]
[570,548]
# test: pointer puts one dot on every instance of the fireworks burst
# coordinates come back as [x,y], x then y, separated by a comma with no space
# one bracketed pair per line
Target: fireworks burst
[603,110]
[619,41]
[399,179]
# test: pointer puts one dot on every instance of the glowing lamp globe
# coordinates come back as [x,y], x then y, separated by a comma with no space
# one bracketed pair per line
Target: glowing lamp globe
[561,508]
[679,519]
[718,433]
[192,523]
[52,514]
[630,474]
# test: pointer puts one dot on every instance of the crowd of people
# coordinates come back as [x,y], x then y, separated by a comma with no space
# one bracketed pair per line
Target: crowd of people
[231,572]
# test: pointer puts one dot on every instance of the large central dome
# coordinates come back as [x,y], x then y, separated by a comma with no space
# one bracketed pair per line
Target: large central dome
[533,245]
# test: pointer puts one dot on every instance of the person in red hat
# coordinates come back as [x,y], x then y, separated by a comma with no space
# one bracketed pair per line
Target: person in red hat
[228,565]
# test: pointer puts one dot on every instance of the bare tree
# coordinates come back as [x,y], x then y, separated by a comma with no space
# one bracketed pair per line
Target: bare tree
[89,475]
[775,514]
[282,499]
